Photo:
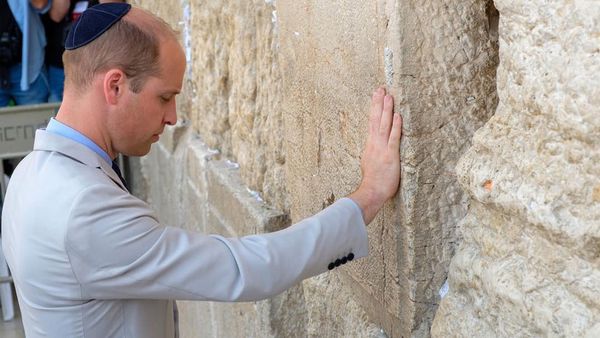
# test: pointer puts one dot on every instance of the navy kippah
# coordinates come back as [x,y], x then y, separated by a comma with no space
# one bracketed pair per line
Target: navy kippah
[93,22]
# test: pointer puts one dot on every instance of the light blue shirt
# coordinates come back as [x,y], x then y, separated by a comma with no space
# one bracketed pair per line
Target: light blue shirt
[56,127]
[34,39]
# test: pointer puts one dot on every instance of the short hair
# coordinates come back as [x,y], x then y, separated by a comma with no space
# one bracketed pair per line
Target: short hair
[131,47]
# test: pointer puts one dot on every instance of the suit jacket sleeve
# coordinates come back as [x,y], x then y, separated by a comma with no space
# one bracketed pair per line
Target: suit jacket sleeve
[118,250]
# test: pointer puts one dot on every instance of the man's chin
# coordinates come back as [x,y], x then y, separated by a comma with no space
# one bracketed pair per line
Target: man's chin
[139,152]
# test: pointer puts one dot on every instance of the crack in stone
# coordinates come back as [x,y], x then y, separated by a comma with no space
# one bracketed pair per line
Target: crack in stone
[383,257]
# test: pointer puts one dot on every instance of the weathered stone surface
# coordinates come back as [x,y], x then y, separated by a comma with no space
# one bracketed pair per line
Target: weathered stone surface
[232,91]
[438,59]
[339,313]
[529,263]
[237,91]
[235,204]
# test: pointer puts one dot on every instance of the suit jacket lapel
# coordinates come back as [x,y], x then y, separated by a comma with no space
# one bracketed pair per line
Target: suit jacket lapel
[45,141]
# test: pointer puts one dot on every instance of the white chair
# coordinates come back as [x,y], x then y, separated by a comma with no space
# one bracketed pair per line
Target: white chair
[6,295]
[18,116]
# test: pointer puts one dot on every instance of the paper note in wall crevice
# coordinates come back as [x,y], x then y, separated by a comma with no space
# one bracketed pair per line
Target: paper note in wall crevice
[444,289]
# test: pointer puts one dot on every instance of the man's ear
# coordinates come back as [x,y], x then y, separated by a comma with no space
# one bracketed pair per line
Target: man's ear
[114,85]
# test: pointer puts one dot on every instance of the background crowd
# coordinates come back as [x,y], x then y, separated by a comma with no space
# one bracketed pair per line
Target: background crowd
[32,39]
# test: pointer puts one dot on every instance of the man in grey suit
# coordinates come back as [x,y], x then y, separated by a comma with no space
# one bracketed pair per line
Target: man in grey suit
[91,260]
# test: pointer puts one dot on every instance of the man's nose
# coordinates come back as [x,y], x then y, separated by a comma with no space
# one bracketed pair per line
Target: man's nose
[171,114]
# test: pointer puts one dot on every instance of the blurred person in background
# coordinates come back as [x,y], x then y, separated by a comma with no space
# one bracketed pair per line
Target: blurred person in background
[57,23]
[22,42]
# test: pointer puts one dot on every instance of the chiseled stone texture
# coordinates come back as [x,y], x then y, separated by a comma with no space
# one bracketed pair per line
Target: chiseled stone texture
[446,82]
[438,59]
[236,86]
[232,91]
[529,262]
[331,58]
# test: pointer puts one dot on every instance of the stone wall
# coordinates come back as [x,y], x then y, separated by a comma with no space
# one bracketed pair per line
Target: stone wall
[529,261]
[232,90]
[273,118]
[284,88]
[438,59]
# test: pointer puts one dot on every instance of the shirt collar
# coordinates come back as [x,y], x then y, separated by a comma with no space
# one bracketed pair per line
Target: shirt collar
[56,127]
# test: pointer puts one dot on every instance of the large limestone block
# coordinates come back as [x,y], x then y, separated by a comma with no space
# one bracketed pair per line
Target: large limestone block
[236,89]
[339,308]
[235,205]
[330,58]
[446,80]
[232,87]
[529,264]
[438,59]
[281,316]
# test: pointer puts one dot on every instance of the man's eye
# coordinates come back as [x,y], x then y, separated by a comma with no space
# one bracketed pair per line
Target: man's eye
[165,99]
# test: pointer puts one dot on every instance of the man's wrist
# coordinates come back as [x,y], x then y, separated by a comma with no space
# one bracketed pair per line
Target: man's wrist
[368,201]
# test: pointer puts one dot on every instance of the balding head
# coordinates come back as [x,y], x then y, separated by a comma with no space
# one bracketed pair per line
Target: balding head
[131,45]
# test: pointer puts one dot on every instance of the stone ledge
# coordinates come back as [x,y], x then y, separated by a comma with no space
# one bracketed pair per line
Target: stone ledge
[217,182]
[231,200]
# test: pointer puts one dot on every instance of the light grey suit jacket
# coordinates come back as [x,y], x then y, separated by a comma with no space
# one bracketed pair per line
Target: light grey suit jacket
[91,260]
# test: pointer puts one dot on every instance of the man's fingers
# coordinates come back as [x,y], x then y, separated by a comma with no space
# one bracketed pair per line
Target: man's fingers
[376,108]
[394,141]
[386,116]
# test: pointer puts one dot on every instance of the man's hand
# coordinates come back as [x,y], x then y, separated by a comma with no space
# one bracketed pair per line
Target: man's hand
[59,9]
[380,163]
[38,4]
